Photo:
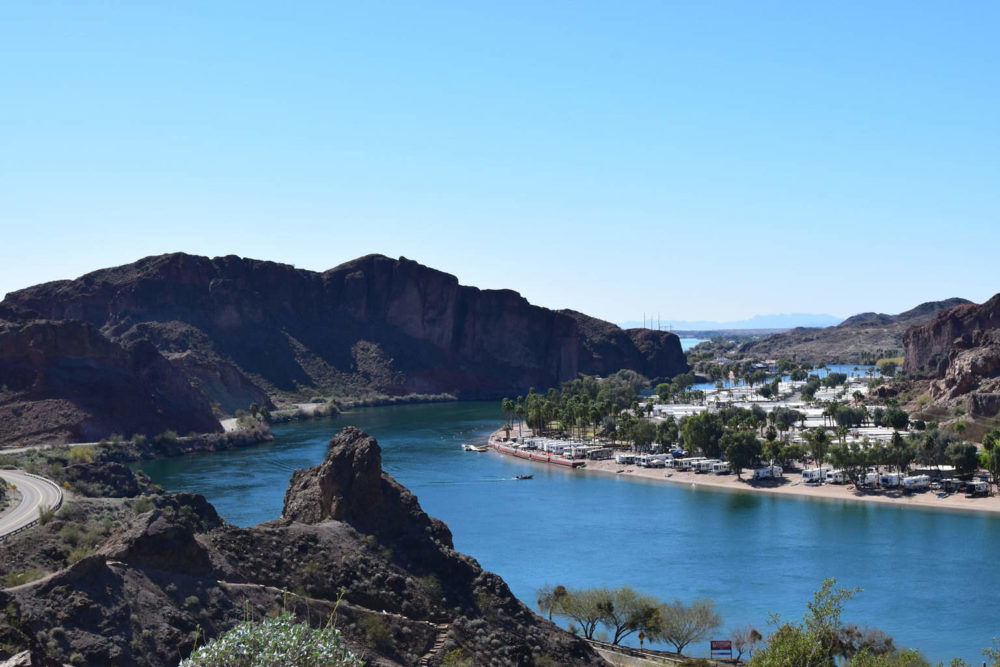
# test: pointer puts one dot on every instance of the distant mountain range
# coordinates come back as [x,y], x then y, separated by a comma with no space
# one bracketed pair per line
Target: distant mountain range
[778,321]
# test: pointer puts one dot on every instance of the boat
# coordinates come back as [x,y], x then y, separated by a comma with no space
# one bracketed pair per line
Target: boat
[475,448]
[524,477]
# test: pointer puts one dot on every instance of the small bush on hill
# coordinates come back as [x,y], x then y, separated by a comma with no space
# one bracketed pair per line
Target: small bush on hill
[273,642]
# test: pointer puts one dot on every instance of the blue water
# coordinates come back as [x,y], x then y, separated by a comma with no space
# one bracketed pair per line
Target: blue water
[848,369]
[688,343]
[928,577]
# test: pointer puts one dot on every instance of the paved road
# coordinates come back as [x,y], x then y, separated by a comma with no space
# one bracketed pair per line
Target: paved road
[35,492]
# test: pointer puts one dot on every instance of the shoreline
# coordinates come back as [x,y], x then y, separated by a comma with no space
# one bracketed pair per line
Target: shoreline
[791,488]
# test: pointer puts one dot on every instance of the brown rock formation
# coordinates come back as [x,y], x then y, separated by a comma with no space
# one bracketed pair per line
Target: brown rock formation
[233,331]
[959,351]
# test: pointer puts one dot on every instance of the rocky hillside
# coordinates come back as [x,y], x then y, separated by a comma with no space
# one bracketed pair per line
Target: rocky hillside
[177,574]
[222,333]
[854,340]
[959,351]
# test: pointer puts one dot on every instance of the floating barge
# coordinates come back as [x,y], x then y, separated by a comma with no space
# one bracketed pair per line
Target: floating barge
[540,457]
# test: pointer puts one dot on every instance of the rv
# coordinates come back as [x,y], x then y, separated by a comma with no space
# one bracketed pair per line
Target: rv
[917,482]
[721,468]
[704,466]
[835,477]
[651,461]
[688,463]
[768,472]
[977,489]
[626,459]
[890,480]
[871,479]
[815,474]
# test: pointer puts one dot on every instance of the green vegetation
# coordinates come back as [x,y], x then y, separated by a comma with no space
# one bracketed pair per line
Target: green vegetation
[274,642]
[624,611]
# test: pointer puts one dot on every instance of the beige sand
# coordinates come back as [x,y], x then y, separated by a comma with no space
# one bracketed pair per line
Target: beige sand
[831,492]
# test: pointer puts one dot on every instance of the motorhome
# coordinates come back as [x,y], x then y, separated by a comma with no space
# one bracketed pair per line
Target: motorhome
[704,466]
[688,463]
[871,479]
[815,474]
[625,459]
[768,472]
[890,480]
[651,461]
[835,477]
[720,468]
[917,482]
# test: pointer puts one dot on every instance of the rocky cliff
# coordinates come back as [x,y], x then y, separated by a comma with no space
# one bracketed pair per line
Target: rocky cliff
[854,340]
[240,330]
[959,351]
[178,574]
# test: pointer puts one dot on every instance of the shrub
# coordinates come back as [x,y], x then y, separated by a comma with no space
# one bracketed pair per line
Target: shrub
[12,579]
[276,641]
[45,514]
[377,632]
[142,505]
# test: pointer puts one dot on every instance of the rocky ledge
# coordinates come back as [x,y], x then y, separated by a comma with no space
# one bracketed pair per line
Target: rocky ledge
[959,352]
[351,541]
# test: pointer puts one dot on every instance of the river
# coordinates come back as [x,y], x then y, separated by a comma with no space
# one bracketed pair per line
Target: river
[928,577]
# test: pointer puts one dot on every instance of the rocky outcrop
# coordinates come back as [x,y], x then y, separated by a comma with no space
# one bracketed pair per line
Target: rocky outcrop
[854,340]
[72,382]
[959,351]
[227,331]
[352,541]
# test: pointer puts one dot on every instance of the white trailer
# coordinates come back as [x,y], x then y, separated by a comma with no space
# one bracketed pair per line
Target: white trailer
[721,468]
[768,472]
[917,482]
[626,459]
[688,463]
[704,466]
[835,477]
[890,480]
[815,474]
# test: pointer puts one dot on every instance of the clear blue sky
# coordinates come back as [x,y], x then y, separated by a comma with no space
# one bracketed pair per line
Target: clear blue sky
[703,160]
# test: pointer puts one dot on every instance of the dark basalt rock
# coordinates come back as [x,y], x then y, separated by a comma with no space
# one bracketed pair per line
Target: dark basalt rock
[155,343]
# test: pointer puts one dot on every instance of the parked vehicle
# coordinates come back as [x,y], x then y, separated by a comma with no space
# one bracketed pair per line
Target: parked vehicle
[721,468]
[835,477]
[704,466]
[890,480]
[917,482]
[977,489]
[815,474]
[768,472]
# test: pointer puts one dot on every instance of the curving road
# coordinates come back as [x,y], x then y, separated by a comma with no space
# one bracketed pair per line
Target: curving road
[35,492]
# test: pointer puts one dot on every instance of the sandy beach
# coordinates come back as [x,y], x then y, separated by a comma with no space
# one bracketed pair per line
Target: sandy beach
[790,487]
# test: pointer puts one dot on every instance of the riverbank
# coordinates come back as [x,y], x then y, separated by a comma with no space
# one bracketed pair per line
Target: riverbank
[790,485]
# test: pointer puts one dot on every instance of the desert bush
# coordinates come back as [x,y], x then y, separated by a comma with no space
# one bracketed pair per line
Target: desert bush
[377,632]
[273,642]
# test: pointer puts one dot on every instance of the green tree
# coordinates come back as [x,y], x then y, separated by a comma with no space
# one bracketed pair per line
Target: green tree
[550,598]
[965,457]
[702,433]
[586,606]
[813,642]
[680,624]
[742,449]
[628,611]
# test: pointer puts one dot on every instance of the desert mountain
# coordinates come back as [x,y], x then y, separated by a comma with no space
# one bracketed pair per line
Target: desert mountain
[855,340]
[168,340]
